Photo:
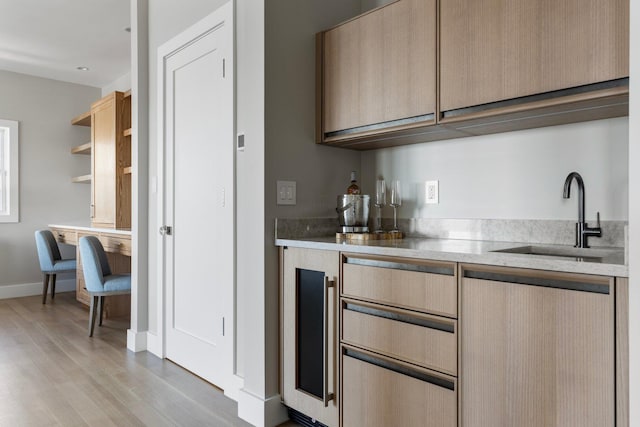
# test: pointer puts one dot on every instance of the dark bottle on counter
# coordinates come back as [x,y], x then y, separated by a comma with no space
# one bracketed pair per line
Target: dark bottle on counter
[353,188]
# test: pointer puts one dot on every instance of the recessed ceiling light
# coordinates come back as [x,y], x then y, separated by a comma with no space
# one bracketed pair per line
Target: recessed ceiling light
[82,68]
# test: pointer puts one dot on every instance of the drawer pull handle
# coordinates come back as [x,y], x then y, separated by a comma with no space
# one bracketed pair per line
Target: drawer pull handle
[326,396]
[400,369]
[571,285]
[420,268]
[412,320]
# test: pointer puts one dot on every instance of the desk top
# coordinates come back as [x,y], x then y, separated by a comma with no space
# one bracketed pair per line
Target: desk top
[91,229]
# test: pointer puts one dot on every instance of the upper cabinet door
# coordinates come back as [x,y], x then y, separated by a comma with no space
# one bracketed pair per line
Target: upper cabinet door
[103,129]
[494,50]
[380,67]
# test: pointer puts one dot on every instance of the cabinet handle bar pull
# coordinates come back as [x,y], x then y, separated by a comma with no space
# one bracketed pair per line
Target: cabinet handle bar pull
[571,285]
[326,396]
[394,367]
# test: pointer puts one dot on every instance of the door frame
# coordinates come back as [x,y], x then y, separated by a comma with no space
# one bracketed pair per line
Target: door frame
[224,15]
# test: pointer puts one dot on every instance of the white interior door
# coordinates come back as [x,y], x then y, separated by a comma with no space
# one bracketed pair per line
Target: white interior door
[198,201]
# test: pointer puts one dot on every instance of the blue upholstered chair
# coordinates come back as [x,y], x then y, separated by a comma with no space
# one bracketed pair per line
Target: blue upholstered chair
[51,262]
[98,278]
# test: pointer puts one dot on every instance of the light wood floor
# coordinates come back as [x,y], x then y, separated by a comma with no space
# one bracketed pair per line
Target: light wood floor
[53,374]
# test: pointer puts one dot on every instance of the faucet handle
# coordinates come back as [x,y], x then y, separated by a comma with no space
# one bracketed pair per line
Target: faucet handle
[598,219]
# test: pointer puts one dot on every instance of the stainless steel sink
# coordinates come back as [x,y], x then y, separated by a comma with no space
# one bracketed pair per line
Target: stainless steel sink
[583,254]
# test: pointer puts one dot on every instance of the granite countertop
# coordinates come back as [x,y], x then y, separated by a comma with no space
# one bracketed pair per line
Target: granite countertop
[606,261]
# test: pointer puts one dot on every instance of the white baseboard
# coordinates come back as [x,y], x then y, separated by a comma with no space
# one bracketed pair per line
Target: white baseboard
[30,289]
[136,341]
[260,412]
[154,345]
[233,389]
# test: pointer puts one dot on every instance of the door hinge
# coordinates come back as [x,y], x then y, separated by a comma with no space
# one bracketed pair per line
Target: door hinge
[166,230]
[222,325]
[224,71]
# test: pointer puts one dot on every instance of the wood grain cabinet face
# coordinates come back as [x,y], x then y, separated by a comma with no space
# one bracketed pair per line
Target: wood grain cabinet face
[380,67]
[111,152]
[399,341]
[494,50]
[380,392]
[427,341]
[536,354]
[309,286]
[430,287]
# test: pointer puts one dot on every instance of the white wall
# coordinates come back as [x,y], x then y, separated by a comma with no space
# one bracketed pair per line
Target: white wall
[121,84]
[515,175]
[634,217]
[291,153]
[139,81]
[321,172]
[250,221]
[44,109]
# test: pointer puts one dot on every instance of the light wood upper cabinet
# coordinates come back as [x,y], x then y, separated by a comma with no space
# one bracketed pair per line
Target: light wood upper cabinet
[379,69]
[111,153]
[537,349]
[421,70]
[494,50]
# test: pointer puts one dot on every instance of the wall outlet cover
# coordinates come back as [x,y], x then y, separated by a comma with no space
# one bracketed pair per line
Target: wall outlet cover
[431,195]
[286,192]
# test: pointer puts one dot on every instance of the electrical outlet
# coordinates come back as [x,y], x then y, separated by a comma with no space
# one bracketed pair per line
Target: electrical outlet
[431,192]
[286,192]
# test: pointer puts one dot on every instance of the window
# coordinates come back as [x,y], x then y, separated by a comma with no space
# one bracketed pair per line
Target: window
[9,171]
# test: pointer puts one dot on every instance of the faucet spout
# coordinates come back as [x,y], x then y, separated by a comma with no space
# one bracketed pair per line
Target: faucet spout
[567,193]
[583,231]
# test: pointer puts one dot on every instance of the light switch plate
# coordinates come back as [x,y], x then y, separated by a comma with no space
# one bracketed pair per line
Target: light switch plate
[286,192]
[431,192]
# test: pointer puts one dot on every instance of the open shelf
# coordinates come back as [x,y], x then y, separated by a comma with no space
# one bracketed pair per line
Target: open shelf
[127,170]
[83,119]
[127,132]
[82,149]
[82,179]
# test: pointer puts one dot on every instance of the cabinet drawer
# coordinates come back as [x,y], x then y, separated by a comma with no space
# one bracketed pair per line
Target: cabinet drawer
[428,341]
[116,244]
[81,289]
[65,236]
[380,392]
[424,286]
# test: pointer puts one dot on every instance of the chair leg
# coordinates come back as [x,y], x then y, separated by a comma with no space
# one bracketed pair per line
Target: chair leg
[45,287]
[92,314]
[53,286]
[100,310]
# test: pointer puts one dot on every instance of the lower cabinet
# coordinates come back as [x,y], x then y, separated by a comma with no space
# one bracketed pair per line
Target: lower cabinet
[398,350]
[309,333]
[380,392]
[537,348]
[381,341]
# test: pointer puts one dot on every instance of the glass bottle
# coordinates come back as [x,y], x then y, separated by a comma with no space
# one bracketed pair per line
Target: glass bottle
[353,188]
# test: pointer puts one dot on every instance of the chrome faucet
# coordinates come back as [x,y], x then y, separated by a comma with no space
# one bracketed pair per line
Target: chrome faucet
[583,231]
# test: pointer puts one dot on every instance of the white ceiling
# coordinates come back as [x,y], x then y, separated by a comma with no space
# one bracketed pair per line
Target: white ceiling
[50,38]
